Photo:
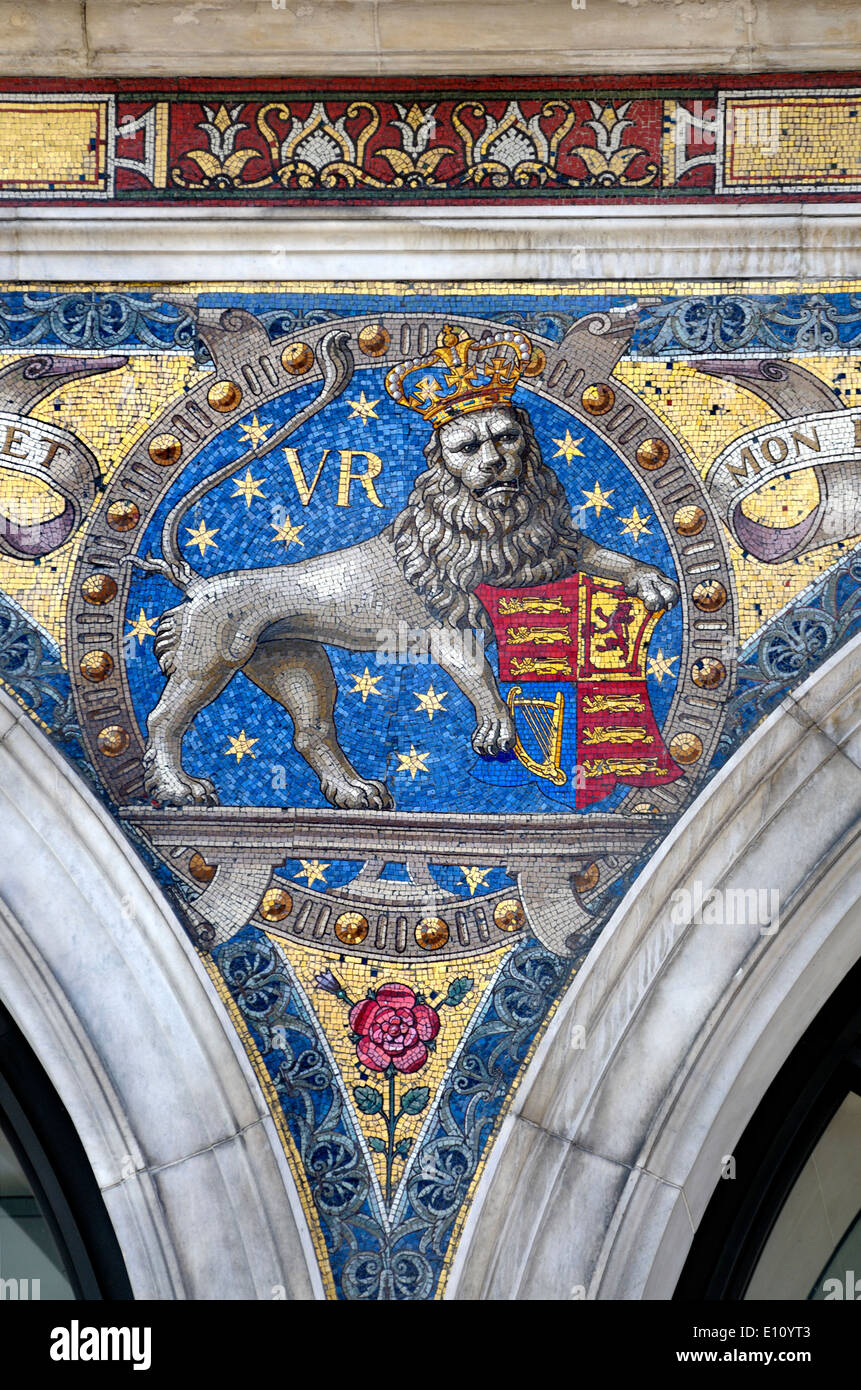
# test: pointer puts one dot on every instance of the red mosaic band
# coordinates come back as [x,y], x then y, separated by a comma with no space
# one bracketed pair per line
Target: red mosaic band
[688,139]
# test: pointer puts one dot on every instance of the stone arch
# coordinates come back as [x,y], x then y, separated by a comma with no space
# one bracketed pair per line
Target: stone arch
[604,1168]
[101,979]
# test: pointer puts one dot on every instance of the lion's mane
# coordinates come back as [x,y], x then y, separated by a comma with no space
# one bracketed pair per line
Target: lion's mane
[447,542]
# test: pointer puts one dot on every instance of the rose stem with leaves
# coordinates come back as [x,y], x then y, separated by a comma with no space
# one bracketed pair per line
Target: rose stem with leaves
[391,1124]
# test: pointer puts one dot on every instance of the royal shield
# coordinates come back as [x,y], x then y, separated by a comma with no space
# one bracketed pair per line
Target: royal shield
[586,632]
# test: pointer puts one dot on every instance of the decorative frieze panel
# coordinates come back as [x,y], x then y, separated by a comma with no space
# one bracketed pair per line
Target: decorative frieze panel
[431,141]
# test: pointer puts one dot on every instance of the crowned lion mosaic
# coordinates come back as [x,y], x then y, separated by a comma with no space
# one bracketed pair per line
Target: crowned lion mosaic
[486,510]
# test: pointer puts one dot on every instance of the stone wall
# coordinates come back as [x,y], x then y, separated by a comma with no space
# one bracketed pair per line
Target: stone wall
[256,37]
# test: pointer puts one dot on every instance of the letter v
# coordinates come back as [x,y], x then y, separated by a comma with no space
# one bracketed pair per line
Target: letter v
[305,492]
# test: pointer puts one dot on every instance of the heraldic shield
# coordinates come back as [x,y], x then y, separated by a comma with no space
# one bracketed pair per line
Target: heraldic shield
[590,633]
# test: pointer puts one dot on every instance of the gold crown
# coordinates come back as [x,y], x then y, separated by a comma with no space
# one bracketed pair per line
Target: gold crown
[461,374]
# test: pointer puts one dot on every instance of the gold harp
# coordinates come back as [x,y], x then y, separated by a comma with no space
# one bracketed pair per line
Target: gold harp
[544,718]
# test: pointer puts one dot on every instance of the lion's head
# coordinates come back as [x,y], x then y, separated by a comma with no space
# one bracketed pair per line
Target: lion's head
[487,510]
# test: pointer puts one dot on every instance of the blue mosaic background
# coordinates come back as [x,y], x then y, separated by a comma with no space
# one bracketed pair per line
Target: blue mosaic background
[372,731]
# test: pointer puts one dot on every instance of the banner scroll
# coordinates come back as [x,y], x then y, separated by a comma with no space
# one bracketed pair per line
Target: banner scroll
[52,455]
[829,445]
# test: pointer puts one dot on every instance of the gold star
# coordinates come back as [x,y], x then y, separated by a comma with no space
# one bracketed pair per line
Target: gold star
[635,525]
[239,746]
[312,870]
[248,487]
[288,533]
[363,409]
[660,666]
[202,537]
[474,878]
[142,628]
[411,762]
[254,433]
[431,702]
[366,685]
[568,447]
[598,499]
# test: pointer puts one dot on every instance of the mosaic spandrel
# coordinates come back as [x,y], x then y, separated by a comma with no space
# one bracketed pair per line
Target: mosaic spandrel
[397,626]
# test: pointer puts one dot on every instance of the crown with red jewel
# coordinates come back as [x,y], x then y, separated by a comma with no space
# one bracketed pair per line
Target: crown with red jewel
[462,374]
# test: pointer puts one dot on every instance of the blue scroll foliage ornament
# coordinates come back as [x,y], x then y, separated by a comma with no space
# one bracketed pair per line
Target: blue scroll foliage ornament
[696,324]
[791,646]
[547,323]
[90,319]
[729,323]
[477,1086]
[286,1036]
[691,324]
[30,666]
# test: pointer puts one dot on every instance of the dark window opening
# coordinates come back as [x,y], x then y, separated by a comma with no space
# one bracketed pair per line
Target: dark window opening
[54,1226]
[788,1220]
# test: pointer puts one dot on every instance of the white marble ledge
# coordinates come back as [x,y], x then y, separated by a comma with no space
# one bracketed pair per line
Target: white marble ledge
[735,242]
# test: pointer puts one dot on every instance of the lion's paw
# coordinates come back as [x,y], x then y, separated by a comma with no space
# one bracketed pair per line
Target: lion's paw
[174,787]
[654,587]
[358,795]
[494,734]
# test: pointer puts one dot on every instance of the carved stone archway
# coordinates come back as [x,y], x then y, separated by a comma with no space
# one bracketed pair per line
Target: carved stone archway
[674,1029]
[102,981]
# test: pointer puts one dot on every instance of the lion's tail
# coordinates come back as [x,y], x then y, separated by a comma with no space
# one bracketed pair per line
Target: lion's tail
[337,364]
[179,571]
